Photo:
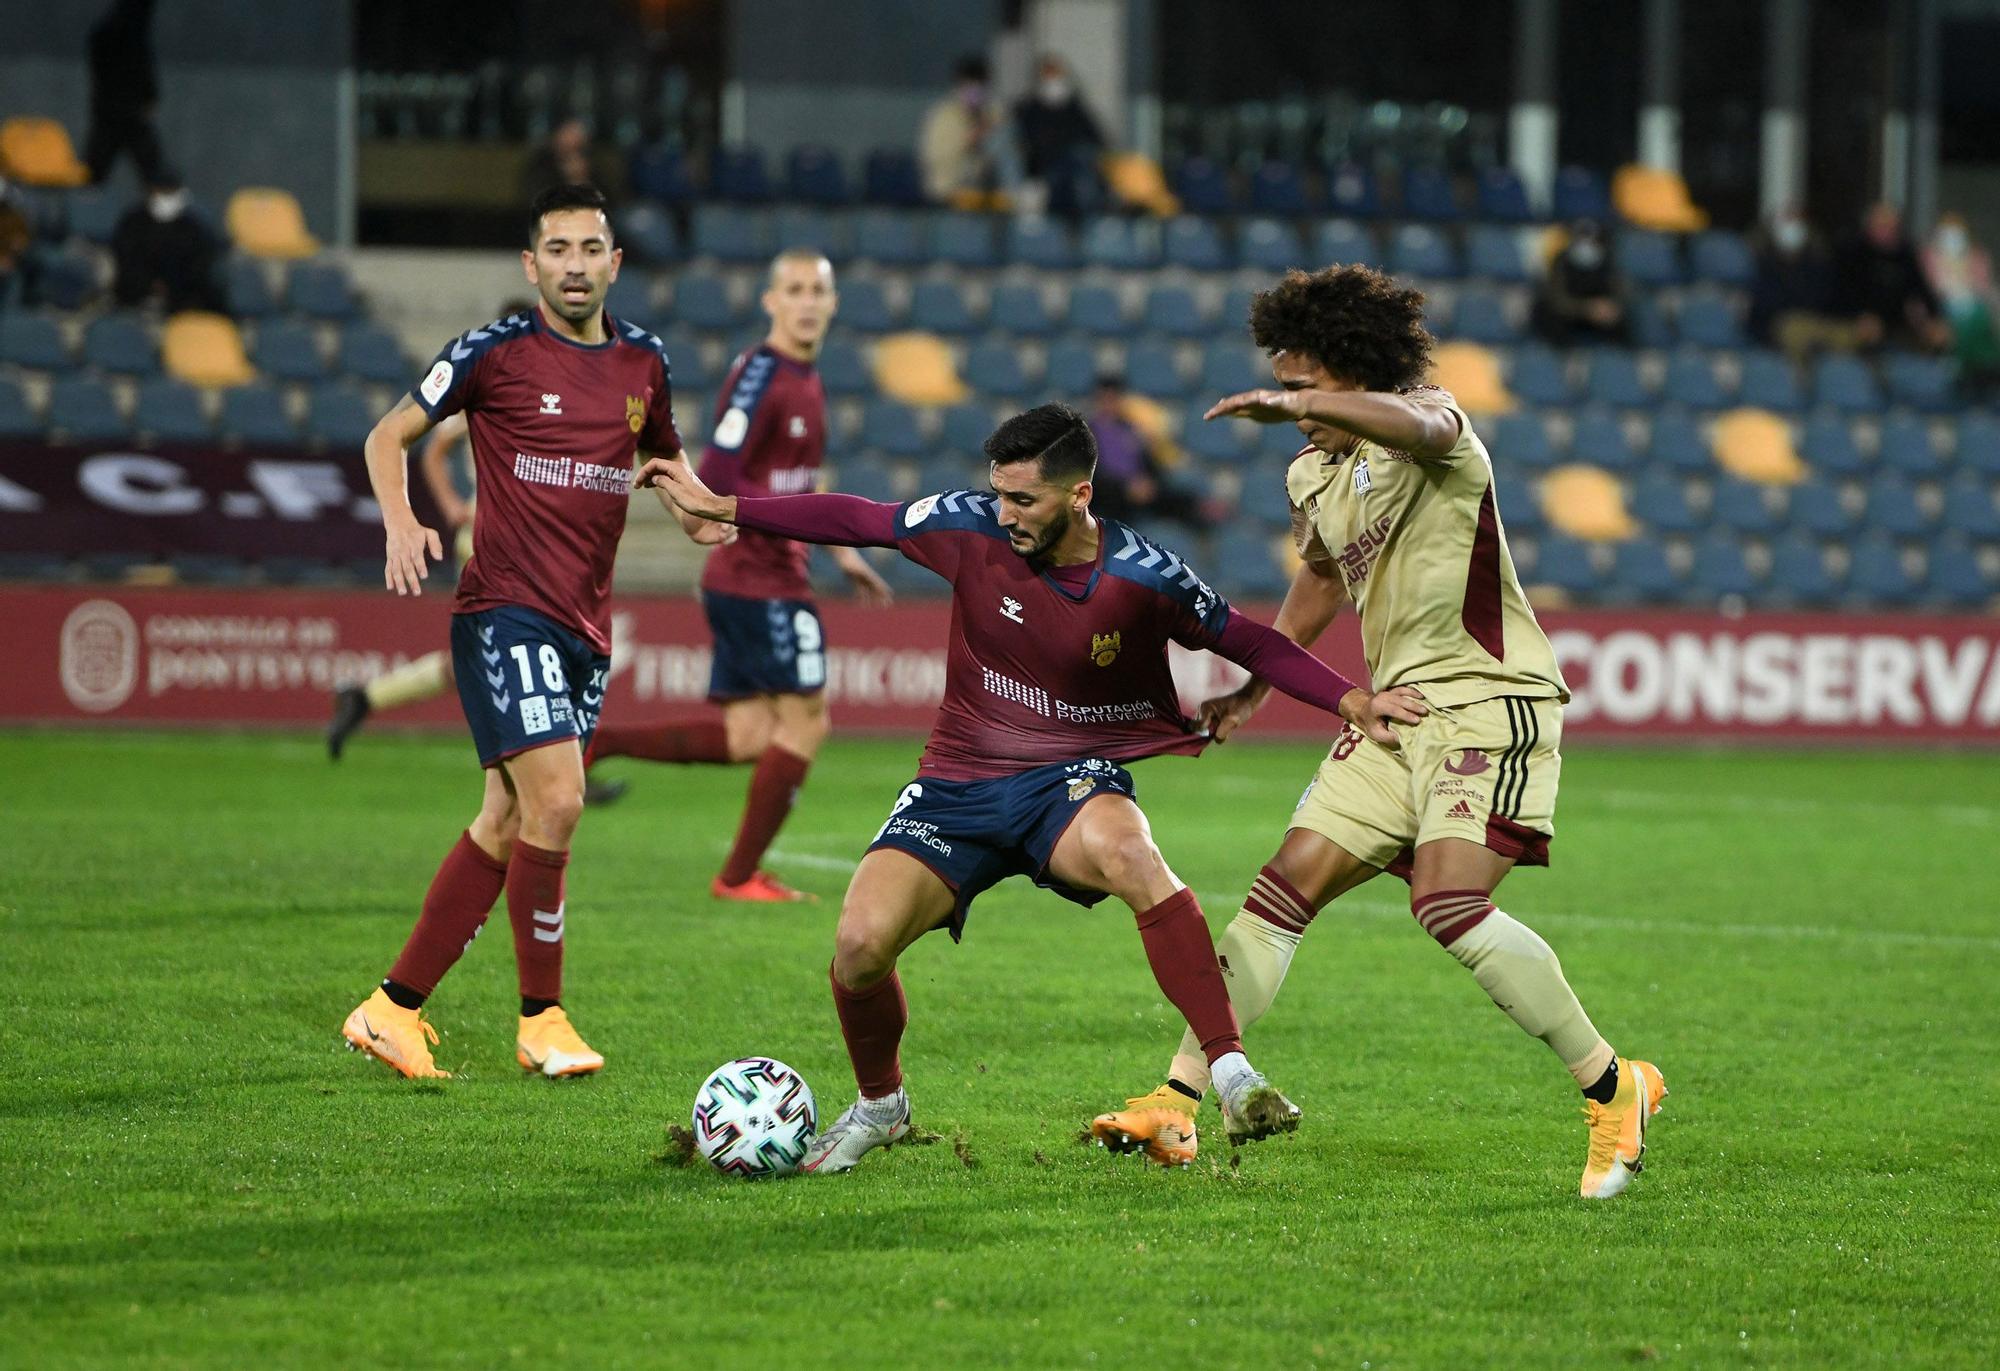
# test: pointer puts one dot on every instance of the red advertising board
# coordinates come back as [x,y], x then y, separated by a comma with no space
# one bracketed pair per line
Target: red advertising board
[121,655]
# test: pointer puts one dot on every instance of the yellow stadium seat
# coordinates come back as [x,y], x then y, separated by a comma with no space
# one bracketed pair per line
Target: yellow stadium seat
[205,350]
[267,222]
[1471,372]
[1655,198]
[1137,181]
[37,152]
[1757,445]
[1586,502]
[917,368]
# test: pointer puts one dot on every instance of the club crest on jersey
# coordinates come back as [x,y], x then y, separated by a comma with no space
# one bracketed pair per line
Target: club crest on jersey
[1104,647]
[1362,485]
[635,413]
[1470,762]
[551,403]
[1081,787]
[798,428]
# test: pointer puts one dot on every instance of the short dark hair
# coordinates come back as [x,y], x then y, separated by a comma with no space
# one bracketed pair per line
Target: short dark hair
[1055,435]
[1355,321]
[560,198]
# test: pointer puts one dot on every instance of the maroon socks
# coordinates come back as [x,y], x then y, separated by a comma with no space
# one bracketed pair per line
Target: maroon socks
[535,907]
[704,740]
[872,1022]
[773,787]
[462,894]
[1183,960]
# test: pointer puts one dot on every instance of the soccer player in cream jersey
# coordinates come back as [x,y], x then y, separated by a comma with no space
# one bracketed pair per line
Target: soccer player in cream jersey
[1393,508]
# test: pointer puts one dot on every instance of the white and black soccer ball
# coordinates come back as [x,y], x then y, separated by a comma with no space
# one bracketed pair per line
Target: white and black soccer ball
[754,1117]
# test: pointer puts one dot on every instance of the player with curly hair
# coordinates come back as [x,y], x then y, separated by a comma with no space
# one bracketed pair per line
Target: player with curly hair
[1393,508]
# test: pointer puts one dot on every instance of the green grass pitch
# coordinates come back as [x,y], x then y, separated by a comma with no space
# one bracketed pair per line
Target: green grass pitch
[199,1174]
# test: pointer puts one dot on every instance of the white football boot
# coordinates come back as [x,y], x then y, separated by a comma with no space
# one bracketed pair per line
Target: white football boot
[861,1128]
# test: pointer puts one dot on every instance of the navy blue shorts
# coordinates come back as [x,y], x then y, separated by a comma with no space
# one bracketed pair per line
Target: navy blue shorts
[524,681]
[974,834]
[764,647]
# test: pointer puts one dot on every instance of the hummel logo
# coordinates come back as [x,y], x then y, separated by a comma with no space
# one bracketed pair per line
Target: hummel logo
[1461,810]
[1010,608]
[551,403]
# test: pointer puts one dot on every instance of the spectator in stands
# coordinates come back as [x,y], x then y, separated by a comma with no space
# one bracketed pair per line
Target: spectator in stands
[124,92]
[1961,274]
[165,254]
[1581,298]
[1059,141]
[1130,484]
[569,159]
[1795,298]
[17,239]
[967,157]
[1883,285]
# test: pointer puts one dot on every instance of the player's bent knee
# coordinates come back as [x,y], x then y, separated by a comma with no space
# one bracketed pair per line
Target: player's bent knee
[862,955]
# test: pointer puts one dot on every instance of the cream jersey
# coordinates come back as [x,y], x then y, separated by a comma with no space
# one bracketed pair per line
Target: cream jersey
[1418,545]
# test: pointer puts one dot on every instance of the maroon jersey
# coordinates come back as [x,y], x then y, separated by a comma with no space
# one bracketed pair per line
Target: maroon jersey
[770,433]
[1037,672]
[554,424]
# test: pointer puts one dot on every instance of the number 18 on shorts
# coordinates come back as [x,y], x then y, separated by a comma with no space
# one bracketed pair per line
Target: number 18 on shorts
[524,681]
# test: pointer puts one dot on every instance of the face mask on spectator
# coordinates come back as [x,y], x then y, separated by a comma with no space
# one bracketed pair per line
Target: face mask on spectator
[1952,240]
[166,205]
[1789,235]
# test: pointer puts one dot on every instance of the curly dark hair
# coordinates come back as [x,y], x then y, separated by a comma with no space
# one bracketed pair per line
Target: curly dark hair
[1358,323]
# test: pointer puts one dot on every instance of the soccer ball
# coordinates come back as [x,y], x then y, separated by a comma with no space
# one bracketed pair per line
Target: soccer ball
[754,1117]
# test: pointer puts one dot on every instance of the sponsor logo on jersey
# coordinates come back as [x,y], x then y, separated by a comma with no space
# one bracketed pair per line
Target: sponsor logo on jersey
[1461,810]
[798,425]
[1468,763]
[551,402]
[635,413]
[1357,559]
[1010,608]
[1104,647]
[1080,788]
[437,383]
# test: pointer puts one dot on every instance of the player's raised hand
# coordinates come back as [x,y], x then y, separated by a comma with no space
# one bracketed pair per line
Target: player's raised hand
[1373,713]
[673,478]
[405,568]
[1262,406]
[1224,714]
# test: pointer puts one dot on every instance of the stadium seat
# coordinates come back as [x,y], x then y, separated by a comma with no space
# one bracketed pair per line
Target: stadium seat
[338,417]
[1827,443]
[1172,310]
[1344,241]
[1770,383]
[892,239]
[1721,258]
[32,340]
[812,226]
[1480,316]
[1677,443]
[1647,258]
[1969,507]
[1655,198]
[1429,195]
[730,233]
[661,174]
[1019,309]
[1202,187]
[1268,245]
[1151,370]
[940,307]
[702,301]
[320,289]
[257,414]
[82,409]
[1598,437]
[965,428]
[1097,310]
[1228,442]
[951,470]
[917,369]
[1660,502]
[1520,442]
[1072,368]
[1585,502]
[1743,506]
[1612,378]
[1978,447]
[121,343]
[1846,384]
[1707,319]
[1691,380]
[1923,383]
[247,288]
[33,566]
[1537,376]
[964,240]
[1352,193]
[1647,319]
[1565,563]
[1471,372]
[1419,250]
[287,350]
[1799,574]
[1264,498]
[892,428]
[1229,366]
[1520,506]
[1893,508]
[1195,244]
[814,175]
[1907,448]
[1502,199]
[1493,252]
[1720,568]
[1580,193]
[372,353]
[738,174]
[1955,577]
[635,298]
[94,212]
[993,368]
[842,368]
[1244,564]
[1757,446]
[17,417]
[890,177]
[37,151]
[205,569]
[871,480]
[686,365]
[1817,508]
[267,222]
[1120,244]
[204,350]
[648,236]
[1878,574]
[1277,188]
[1641,569]
[865,306]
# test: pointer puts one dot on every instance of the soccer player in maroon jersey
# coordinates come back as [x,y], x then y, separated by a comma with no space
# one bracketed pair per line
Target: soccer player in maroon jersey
[1056,673]
[557,402]
[769,669]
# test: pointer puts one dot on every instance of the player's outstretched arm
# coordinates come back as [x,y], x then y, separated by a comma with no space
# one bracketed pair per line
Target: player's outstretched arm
[1418,427]
[699,528]
[1271,655]
[1311,604]
[405,566]
[830,520]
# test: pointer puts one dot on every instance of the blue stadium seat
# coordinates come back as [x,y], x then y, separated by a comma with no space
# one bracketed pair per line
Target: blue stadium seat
[1264,497]
[1351,192]
[814,175]
[869,479]
[1097,310]
[1419,250]
[1640,569]
[1268,245]
[993,367]
[1978,447]
[1770,383]
[965,428]
[121,343]
[1969,507]
[17,418]
[256,413]
[68,279]
[1817,509]
[1846,384]
[1799,574]
[321,289]
[890,238]
[1691,381]
[1677,443]
[1344,241]
[732,234]
[702,301]
[1172,310]
[1277,188]
[1151,370]
[1042,243]
[1520,511]
[1599,439]
[685,367]
[891,427]
[1120,244]
[1743,506]
[1612,378]
[1072,368]
[1720,568]
[1708,319]
[661,174]
[1659,500]
[339,416]
[288,350]
[1924,383]
[1648,322]
[1202,187]
[203,569]
[940,307]
[1429,195]
[890,177]
[1502,197]
[1894,509]
[33,566]
[1278,442]
[32,340]
[1194,243]
[1229,366]
[648,236]
[1539,376]
[951,470]
[1494,253]
[865,306]
[1907,447]
[1019,309]
[842,368]
[1564,563]
[1828,445]
[738,174]
[246,289]
[1955,577]
[633,296]
[1234,319]
[1219,440]
[170,411]
[1721,258]
[1520,441]
[1581,193]
[812,226]
[1877,573]
[1244,565]
[1480,316]
[94,212]
[84,410]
